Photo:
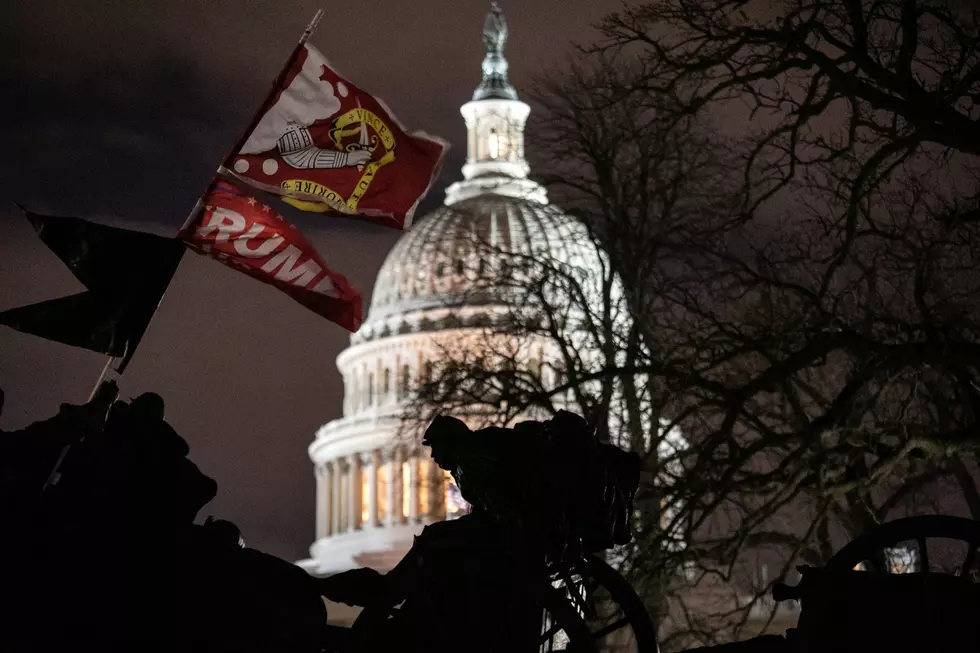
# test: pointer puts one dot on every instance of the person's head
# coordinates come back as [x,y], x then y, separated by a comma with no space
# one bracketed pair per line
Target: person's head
[145,419]
[148,406]
[443,437]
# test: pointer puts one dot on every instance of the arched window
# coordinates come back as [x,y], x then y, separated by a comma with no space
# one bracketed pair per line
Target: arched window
[427,372]
[370,389]
[386,382]
[493,143]
[405,381]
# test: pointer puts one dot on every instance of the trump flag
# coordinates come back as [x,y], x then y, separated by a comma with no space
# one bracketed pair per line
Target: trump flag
[325,145]
[243,233]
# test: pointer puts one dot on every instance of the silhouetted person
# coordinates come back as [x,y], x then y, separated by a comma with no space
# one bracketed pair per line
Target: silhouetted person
[552,483]
[543,495]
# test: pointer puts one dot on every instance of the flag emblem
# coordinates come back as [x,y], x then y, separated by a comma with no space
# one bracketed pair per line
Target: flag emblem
[326,146]
[360,139]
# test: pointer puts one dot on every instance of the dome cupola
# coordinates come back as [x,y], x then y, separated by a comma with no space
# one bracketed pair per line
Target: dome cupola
[495,121]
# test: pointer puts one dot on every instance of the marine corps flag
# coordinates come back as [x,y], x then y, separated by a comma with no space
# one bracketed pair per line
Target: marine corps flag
[126,273]
[245,234]
[327,146]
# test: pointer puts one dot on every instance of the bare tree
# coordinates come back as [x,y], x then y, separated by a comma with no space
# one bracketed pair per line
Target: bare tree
[799,299]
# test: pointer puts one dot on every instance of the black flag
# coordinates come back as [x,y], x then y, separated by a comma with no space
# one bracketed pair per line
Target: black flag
[126,273]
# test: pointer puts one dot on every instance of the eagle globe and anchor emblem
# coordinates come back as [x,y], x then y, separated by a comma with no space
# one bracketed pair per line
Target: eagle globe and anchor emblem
[297,149]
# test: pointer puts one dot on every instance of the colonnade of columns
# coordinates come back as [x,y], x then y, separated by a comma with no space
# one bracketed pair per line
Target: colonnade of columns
[377,489]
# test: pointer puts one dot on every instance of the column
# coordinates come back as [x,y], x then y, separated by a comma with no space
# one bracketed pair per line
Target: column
[336,477]
[321,508]
[328,499]
[373,461]
[394,486]
[413,489]
[354,494]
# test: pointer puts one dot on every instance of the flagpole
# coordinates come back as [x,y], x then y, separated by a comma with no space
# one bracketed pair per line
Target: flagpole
[277,84]
[102,377]
[257,116]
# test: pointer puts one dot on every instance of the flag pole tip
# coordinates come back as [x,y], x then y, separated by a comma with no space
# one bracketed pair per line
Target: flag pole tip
[312,26]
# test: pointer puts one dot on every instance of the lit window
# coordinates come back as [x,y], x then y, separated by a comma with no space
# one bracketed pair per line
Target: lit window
[494,143]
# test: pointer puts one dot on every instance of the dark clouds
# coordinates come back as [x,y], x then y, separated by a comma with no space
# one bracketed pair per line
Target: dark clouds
[119,111]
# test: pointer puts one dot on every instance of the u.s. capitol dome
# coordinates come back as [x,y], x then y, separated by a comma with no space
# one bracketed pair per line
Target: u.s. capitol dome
[374,493]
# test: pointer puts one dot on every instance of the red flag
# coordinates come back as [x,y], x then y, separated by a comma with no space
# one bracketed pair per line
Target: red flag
[327,146]
[245,234]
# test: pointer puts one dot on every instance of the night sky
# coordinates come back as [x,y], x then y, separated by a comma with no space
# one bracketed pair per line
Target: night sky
[119,112]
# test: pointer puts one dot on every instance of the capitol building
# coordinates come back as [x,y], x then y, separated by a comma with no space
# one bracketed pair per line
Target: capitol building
[374,490]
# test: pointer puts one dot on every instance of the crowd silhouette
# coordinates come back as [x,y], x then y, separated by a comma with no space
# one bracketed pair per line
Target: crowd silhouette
[103,553]
[104,548]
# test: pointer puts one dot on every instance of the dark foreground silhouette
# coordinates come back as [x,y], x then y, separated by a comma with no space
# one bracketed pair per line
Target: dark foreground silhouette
[109,559]
[104,555]
[546,497]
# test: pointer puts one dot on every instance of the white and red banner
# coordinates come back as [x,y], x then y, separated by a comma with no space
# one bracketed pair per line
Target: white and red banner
[243,233]
[325,145]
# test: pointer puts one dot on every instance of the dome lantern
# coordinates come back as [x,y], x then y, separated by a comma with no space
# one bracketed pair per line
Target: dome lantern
[495,121]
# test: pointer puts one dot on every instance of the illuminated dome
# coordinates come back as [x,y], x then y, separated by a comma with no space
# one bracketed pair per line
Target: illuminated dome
[425,269]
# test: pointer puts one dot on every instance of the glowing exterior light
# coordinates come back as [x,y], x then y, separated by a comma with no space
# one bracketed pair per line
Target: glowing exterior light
[494,144]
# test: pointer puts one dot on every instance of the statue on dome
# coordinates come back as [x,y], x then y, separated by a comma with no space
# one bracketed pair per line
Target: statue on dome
[494,30]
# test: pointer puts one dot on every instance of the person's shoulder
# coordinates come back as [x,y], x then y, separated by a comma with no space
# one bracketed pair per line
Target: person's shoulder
[452,531]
